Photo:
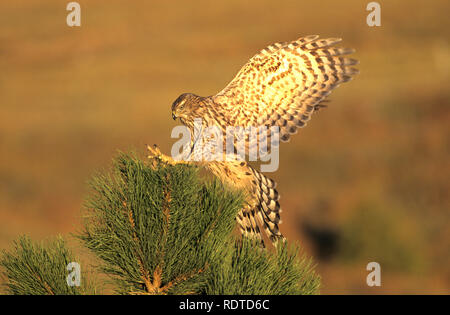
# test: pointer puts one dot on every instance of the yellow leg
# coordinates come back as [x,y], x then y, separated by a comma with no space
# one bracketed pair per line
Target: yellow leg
[155,154]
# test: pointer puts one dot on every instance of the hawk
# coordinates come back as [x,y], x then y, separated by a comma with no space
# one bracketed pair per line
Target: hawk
[282,85]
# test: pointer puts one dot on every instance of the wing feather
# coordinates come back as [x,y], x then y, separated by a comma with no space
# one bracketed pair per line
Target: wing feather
[283,84]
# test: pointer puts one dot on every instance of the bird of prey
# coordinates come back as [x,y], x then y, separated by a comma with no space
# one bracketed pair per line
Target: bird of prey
[282,86]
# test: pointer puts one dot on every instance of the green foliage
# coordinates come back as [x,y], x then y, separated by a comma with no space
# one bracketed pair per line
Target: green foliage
[40,269]
[249,270]
[158,229]
[162,229]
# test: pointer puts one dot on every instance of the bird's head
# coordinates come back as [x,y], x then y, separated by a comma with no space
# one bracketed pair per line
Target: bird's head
[185,106]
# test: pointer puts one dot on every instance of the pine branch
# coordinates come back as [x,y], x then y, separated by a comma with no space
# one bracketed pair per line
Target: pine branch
[38,268]
[249,270]
[153,226]
[160,228]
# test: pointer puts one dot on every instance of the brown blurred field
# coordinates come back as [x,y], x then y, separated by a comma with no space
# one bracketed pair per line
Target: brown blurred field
[367,180]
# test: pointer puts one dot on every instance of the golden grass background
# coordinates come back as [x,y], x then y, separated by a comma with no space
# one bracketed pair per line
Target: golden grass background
[367,180]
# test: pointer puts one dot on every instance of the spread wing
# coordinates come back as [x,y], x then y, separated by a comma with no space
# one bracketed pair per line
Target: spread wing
[284,83]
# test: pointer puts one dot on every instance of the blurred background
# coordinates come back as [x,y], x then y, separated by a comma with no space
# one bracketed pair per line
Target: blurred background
[367,180]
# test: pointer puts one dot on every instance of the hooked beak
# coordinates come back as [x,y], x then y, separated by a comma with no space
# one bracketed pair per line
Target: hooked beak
[173,116]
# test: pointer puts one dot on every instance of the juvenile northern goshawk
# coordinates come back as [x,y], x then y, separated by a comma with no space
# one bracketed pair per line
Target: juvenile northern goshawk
[283,85]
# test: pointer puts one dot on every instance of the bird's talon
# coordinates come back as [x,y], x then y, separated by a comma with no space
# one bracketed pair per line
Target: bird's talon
[156,154]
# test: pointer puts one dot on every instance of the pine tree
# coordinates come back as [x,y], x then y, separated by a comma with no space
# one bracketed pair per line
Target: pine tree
[40,269]
[162,229]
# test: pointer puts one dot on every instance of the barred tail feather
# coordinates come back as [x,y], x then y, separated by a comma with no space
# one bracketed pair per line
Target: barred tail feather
[268,209]
[247,224]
